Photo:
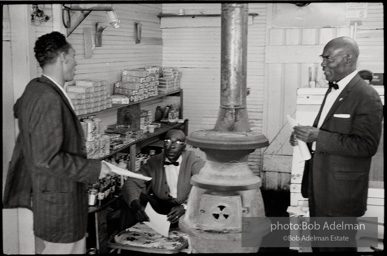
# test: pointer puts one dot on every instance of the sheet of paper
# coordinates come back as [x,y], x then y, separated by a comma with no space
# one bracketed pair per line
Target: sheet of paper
[157,222]
[304,151]
[128,173]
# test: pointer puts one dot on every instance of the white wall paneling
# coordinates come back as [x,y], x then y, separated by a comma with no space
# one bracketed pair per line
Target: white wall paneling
[292,49]
[193,45]
[18,222]
[118,50]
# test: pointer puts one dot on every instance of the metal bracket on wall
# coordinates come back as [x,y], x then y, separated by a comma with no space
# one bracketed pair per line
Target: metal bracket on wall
[74,15]
[99,28]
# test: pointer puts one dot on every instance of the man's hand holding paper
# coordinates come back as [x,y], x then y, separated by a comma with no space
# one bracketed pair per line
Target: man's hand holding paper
[300,133]
[306,133]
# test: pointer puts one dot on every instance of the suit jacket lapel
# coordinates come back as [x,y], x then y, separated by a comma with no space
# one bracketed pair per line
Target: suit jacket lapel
[47,81]
[341,98]
[182,171]
[315,123]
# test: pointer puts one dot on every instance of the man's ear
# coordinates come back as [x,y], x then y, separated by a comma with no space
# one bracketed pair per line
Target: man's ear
[349,59]
[63,57]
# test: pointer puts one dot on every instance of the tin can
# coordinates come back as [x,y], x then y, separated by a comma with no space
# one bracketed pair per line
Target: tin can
[89,149]
[96,147]
[107,192]
[84,128]
[97,122]
[101,146]
[91,130]
[106,148]
[93,196]
[101,194]
[138,164]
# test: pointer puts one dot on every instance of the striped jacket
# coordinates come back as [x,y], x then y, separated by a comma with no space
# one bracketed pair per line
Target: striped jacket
[49,172]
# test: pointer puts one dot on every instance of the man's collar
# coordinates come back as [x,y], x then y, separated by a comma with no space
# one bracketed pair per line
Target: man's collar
[343,82]
[62,88]
[53,80]
[178,160]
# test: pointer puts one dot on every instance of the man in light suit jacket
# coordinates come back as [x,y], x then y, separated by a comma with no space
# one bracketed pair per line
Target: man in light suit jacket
[343,138]
[49,172]
[170,186]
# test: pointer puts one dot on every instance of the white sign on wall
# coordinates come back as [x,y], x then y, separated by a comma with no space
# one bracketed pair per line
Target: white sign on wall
[356,10]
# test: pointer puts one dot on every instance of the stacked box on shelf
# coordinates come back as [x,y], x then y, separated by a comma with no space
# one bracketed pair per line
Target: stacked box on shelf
[145,120]
[138,84]
[88,96]
[169,80]
[97,144]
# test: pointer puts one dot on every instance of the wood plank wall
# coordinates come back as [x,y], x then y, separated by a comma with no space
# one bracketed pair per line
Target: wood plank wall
[370,37]
[290,51]
[118,50]
[193,45]
[6,33]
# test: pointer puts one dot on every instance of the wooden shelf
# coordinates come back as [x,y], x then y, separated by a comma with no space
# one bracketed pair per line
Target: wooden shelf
[118,106]
[96,208]
[158,131]
[103,220]
[173,15]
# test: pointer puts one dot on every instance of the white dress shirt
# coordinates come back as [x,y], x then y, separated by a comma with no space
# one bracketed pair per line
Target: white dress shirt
[172,175]
[61,88]
[331,98]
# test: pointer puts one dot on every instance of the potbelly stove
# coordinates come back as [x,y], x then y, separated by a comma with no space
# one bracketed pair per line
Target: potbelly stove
[226,190]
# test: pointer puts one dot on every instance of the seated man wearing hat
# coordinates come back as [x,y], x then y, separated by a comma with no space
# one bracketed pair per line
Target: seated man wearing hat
[170,186]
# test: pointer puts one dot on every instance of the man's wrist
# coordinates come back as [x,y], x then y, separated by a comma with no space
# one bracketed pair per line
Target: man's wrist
[184,205]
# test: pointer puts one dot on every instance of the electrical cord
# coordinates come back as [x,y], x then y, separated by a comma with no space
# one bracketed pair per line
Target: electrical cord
[66,11]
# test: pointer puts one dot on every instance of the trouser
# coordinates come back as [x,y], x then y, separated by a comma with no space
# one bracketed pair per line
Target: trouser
[315,212]
[128,215]
[45,247]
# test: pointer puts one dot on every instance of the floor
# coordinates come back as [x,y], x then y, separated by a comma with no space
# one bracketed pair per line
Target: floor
[276,203]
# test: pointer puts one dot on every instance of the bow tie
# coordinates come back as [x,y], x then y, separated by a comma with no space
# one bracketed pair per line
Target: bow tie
[169,163]
[333,85]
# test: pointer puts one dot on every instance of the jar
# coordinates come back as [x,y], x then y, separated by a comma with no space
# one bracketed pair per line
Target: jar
[93,196]
[101,194]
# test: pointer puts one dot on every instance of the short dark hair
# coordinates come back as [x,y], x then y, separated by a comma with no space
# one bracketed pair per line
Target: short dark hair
[366,75]
[49,46]
[175,131]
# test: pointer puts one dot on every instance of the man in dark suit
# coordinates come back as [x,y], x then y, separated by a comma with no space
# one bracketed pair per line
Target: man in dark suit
[170,186]
[343,139]
[49,172]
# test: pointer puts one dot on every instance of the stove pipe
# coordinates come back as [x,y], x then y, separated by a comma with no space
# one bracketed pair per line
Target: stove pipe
[232,113]
[226,190]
